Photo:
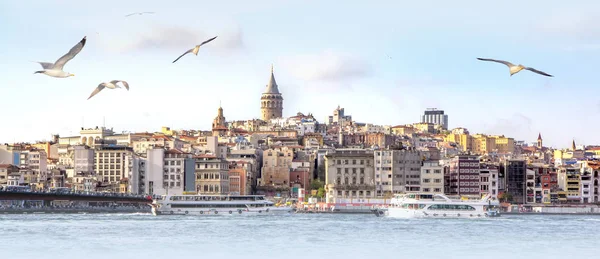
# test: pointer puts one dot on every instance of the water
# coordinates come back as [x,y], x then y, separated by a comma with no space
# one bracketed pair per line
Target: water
[304,236]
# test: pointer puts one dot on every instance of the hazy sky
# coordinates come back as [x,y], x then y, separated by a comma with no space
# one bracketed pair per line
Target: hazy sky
[385,62]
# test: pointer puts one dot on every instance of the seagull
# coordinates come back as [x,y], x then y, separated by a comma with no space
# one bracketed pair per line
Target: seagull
[138,13]
[56,69]
[195,49]
[515,68]
[110,85]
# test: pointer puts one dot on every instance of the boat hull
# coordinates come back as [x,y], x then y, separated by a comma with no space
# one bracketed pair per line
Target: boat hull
[406,213]
[224,211]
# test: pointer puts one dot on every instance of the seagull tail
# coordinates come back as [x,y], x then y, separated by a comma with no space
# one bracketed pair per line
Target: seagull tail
[39,72]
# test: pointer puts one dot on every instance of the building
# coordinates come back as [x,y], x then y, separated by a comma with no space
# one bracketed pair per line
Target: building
[463,176]
[240,177]
[488,180]
[435,116]
[366,139]
[5,171]
[110,165]
[397,171]
[515,171]
[569,181]
[349,175]
[339,118]
[212,175]
[83,159]
[271,101]
[432,177]
[275,172]
[219,126]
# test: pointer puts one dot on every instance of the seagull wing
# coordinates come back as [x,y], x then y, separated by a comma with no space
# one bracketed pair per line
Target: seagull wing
[539,72]
[60,63]
[209,40]
[98,89]
[148,12]
[114,82]
[46,65]
[130,14]
[497,61]
[189,51]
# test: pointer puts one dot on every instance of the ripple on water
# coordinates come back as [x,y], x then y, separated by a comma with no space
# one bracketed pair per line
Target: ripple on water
[142,235]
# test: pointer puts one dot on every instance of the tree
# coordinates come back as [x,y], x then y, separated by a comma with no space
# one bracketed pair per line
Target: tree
[316,184]
[321,192]
[506,197]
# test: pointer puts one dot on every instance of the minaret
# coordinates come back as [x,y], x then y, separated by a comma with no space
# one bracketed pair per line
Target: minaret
[539,140]
[271,101]
[573,147]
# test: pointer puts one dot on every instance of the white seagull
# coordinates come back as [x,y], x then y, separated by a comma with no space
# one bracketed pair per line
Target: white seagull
[195,49]
[139,13]
[56,69]
[513,69]
[110,85]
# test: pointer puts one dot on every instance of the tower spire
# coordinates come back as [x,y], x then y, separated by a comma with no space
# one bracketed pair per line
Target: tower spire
[271,68]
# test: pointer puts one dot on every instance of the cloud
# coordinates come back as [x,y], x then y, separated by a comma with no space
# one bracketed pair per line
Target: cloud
[178,38]
[327,66]
[517,126]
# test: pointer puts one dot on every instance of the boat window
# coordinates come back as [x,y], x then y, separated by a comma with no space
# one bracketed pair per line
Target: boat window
[450,207]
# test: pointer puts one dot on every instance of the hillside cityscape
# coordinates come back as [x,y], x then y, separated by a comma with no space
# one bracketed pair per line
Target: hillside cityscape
[338,160]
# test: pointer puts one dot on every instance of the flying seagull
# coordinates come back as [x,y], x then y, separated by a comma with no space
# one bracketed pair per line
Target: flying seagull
[195,49]
[56,69]
[515,68]
[139,13]
[110,85]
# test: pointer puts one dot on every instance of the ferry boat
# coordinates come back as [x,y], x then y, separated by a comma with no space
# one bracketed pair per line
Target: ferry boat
[215,205]
[422,205]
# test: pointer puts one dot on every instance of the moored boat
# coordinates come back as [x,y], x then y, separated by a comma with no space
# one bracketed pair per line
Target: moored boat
[422,205]
[215,205]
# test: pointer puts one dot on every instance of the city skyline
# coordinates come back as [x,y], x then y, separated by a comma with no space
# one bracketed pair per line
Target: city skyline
[385,67]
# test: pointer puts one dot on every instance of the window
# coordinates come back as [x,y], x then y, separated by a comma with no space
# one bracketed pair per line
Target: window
[426,180]
[437,180]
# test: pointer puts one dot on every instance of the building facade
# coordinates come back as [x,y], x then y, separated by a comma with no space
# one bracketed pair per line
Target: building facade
[349,174]
[397,171]
[212,175]
[435,116]
[432,177]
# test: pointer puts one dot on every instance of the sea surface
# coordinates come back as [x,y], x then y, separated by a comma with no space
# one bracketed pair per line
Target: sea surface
[114,236]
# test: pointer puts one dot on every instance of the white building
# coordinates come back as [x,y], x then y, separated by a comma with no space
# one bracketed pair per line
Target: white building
[110,165]
[83,159]
[397,171]
[432,177]
[488,181]
[435,116]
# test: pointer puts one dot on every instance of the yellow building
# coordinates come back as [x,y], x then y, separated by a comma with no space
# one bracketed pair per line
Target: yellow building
[465,141]
[504,144]
[482,144]
[167,131]
[403,130]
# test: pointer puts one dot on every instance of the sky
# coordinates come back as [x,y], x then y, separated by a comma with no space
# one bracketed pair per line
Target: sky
[385,62]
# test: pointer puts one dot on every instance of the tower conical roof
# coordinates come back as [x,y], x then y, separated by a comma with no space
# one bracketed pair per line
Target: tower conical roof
[272,86]
[540,136]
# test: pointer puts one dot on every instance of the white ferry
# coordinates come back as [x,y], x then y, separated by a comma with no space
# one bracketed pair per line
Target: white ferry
[421,205]
[215,205]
